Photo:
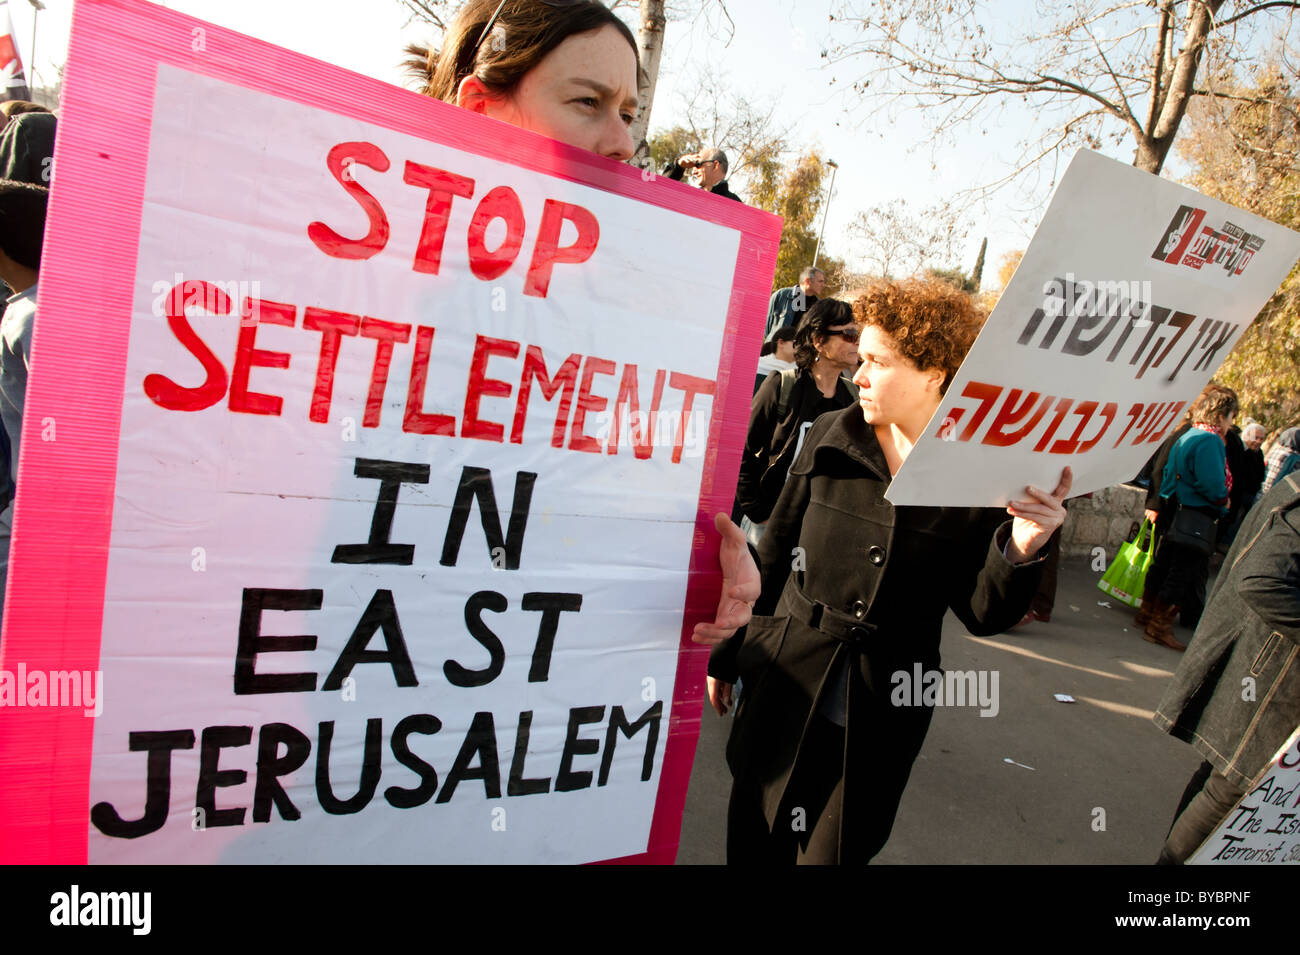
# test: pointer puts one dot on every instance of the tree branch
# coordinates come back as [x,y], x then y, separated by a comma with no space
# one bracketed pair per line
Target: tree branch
[1255,9]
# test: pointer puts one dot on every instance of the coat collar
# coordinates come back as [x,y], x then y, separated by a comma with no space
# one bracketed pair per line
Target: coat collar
[848,434]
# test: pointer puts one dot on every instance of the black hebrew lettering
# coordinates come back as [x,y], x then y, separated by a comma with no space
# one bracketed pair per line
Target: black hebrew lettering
[391,476]
[476,483]
[459,675]
[551,606]
[618,724]
[271,766]
[251,642]
[158,785]
[214,740]
[481,741]
[370,770]
[410,798]
[517,785]
[380,614]
[566,780]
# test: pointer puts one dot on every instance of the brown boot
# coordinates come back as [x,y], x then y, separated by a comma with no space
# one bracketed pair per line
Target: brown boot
[1146,611]
[1161,628]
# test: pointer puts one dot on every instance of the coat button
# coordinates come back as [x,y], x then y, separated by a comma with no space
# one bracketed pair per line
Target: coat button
[859,609]
[876,555]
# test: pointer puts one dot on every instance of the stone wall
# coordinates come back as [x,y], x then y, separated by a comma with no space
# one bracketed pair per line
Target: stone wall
[1106,520]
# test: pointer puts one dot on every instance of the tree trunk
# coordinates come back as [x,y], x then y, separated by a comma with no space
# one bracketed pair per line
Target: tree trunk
[650,46]
[1152,150]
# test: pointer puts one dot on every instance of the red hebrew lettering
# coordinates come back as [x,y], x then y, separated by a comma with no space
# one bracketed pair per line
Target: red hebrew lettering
[1170,417]
[1062,407]
[546,253]
[692,386]
[247,356]
[1085,412]
[443,187]
[331,326]
[948,426]
[164,392]
[642,430]
[385,334]
[1108,412]
[588,402]
[1150,421]
[471,425]
[1148,416]
[415,421]
[566,378]
[986,395]
[1009,414]
[340,161]
[1133,414]
[500,203]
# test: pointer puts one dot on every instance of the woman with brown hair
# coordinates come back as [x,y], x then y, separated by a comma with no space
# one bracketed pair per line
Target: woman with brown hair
[567,69]
[1194,489]
[852,592]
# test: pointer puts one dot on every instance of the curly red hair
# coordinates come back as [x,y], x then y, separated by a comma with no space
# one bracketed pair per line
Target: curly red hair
[931,322]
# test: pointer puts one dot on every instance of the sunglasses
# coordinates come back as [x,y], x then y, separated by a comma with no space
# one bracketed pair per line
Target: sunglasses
[848,334]
[497,12]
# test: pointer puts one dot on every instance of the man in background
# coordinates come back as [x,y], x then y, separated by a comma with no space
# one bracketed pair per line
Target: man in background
[788,305]
[711,168]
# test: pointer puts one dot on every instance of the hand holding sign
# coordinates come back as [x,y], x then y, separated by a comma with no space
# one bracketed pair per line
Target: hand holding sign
[740,585]
[1037,519]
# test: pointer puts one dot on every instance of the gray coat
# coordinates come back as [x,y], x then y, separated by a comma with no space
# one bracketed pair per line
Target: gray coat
[1236,695]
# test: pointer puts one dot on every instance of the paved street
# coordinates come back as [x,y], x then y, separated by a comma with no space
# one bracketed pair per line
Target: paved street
[966,804]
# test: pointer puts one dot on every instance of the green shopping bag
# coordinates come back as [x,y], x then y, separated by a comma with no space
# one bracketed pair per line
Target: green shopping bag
[1127,574]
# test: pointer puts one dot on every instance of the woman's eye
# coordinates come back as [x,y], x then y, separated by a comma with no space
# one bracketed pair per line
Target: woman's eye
[628,118]
[589,101]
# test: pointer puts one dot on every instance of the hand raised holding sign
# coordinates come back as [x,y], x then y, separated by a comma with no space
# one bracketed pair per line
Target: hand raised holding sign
[1037,519]
[740,585]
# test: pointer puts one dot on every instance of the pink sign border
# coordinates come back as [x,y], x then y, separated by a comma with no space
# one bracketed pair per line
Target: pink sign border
[57,573]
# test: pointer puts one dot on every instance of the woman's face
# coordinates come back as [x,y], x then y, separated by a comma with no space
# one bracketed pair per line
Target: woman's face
[892,390]
[785,350]
[839,345]
[582,93]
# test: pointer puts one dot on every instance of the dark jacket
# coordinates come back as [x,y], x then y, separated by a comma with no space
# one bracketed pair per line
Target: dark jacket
[771,445]
[870,581]
[1236,695]
[786,308]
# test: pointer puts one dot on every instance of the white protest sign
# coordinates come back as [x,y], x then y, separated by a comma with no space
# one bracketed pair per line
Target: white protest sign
[1264,827]
[1131,294]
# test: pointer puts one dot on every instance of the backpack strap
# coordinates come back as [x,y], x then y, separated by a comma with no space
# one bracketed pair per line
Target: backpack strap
[787,388]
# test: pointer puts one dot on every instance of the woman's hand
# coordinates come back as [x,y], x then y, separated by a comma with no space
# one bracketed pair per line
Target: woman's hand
[720,695]
[740,585]
[1037,519]
[1151,515]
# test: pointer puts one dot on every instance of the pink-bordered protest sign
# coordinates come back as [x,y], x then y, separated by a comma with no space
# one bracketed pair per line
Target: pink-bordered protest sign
[368,465]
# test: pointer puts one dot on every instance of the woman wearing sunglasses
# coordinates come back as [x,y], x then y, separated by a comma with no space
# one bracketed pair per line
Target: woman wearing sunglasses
[564,68]
[853,592]
[825,350]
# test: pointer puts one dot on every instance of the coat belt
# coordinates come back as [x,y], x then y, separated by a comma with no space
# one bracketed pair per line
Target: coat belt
[844,627]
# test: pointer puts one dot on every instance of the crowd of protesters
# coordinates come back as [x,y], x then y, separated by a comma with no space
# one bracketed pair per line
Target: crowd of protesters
[802,650]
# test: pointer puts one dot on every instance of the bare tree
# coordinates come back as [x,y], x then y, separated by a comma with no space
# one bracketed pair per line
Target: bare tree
[1095,69]
[892,240]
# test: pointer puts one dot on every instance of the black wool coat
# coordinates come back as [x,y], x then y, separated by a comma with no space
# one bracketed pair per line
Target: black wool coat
[844,572]
[1236,694]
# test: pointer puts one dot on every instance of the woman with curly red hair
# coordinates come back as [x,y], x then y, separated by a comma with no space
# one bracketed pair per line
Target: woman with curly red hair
[852,591]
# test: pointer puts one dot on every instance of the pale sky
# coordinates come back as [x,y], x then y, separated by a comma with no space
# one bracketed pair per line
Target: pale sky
[774,57]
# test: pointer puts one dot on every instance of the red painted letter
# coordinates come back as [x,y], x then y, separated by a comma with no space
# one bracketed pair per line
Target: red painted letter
[162,390]
[547,251]
[330,325]
[471,426]
[501,203]
[247,356]
[416,421]
[340,161]
[442,186]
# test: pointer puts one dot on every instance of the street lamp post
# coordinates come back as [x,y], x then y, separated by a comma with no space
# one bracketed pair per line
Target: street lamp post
[31,54]
[829,192]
